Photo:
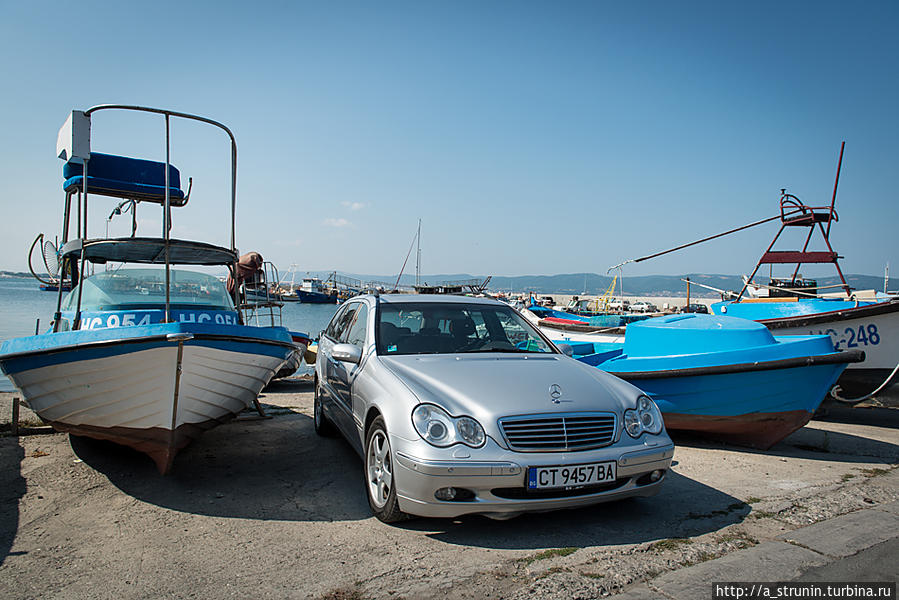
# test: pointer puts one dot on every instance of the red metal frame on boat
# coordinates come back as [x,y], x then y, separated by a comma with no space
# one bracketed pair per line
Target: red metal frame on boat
[794,213]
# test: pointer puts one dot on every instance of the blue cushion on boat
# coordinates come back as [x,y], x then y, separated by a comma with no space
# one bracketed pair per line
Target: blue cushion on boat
[124,177]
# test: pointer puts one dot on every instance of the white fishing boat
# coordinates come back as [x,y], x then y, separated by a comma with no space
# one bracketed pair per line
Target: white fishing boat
[146,357]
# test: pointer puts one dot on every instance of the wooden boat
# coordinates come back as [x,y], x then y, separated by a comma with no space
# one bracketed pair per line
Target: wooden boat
[793,307]
[724,377]
[147,358]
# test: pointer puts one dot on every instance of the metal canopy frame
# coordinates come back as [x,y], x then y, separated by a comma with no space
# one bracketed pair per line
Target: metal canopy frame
[82,233]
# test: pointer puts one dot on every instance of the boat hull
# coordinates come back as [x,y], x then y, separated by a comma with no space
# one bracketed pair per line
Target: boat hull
[724,377]
[871,327]
[315,297]
[153,388]
[755,408]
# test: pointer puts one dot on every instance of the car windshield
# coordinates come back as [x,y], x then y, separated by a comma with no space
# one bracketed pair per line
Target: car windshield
[145,288]
[454,328]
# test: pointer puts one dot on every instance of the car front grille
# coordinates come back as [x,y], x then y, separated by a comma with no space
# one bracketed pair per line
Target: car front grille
[559,432]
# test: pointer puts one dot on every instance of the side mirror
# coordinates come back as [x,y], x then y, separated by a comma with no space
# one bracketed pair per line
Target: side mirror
[565,349]
[347,353]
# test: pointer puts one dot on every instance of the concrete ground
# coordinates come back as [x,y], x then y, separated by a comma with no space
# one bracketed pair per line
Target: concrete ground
[266,509]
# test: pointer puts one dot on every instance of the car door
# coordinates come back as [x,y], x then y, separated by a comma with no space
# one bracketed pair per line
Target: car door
[342,373]
[336,329]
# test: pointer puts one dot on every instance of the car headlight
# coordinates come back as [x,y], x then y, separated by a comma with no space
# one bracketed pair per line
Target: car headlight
[645,418]
[437,427]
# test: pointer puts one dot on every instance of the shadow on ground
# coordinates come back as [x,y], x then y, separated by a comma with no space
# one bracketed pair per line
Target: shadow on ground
[12,488]
[273,469]
[684,507]
[278,469]
[859,415]
[290,385]
[819,444]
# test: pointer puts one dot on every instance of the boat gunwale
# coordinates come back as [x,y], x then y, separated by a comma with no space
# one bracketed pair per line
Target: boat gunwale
[846,314]
[215,337]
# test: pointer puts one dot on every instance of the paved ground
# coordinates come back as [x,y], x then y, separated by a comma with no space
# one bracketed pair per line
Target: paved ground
[266,509]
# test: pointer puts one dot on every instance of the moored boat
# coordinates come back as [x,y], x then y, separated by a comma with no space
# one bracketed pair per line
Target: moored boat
[147,358]
[724,377]
[312,290]
[794,306]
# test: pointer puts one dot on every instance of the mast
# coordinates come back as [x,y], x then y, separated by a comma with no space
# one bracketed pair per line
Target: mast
[418,256]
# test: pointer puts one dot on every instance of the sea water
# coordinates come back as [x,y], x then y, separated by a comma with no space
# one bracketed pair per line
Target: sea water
[23,303]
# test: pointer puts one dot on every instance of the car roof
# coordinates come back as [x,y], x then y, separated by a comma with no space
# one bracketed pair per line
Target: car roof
[432,298]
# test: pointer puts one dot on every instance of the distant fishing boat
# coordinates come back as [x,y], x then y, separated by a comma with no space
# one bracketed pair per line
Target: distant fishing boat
[312,290]
[723,377]
[54,287]
[147,358]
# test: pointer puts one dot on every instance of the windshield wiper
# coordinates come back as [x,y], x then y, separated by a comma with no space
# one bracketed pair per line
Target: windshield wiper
[507,350]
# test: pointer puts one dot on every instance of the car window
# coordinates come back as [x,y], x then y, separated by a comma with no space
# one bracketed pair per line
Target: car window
[355,335]
[341,322]
[452,328]
[332,325]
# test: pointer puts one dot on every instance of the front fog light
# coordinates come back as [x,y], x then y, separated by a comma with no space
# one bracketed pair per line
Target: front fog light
[445,494]
[655,475]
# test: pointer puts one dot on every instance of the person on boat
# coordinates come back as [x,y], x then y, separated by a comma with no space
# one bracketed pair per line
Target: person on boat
[248,266]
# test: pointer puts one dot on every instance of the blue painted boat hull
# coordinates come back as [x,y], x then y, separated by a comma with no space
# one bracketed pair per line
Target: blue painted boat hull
[869,326]
[724,377]
[316,297]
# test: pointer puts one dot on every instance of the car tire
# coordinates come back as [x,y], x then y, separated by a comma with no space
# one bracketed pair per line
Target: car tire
[380,484]
[323,425]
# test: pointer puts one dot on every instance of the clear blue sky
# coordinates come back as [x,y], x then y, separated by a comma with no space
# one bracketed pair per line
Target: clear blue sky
[529,137]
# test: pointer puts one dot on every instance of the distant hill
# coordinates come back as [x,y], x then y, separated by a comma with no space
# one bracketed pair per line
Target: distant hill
[594,284]
[586,283]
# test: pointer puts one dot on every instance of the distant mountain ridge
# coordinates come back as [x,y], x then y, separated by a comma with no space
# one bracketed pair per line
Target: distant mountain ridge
[587,283]
[594,284]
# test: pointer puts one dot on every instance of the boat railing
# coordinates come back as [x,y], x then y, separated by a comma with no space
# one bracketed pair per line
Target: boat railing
[794,212]
[260,304]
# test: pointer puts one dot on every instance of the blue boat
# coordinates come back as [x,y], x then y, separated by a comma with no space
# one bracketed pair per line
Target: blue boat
[562,319]
[146,357]
[793,305]
[724,377]
[312,291]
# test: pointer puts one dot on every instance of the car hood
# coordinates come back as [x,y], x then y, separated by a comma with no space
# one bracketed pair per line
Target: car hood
[490,386]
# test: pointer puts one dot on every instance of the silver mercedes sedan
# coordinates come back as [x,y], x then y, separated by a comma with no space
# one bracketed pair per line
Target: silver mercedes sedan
[458,405]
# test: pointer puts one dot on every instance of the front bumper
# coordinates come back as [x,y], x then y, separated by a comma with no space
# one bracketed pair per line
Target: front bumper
[498,488]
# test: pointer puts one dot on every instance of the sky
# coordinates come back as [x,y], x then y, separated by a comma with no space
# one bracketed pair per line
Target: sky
[528,137]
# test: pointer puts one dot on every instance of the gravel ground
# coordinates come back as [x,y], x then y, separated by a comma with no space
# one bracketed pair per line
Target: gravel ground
[266,509]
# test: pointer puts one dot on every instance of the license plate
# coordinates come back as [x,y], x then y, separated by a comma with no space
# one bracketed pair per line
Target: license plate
[547,478]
